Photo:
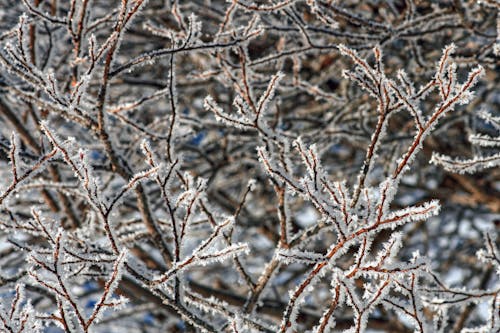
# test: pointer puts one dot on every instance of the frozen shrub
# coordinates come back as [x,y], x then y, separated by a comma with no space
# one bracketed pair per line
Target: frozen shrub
[249,166]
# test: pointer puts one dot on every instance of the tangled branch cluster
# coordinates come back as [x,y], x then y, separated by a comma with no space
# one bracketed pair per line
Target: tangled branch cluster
[249,166]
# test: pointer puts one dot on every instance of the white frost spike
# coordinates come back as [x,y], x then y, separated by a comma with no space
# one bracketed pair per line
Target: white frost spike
[466,97]
[485,140]
[15,145]
[327,322]
[406,97]
[277,171]
[390,250]
[78,91]
[406,82]
[221,255]
[203,259]
[242,107]
[141,175]
[362,65]
[490,119]
[466,166]
[22,33]
[148,152]
[268,95]
[210,105]
[414,213]
[388,189]
[445,58]
[106,299]
[20,316]
[473,77]
[491,254]
[291,256]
